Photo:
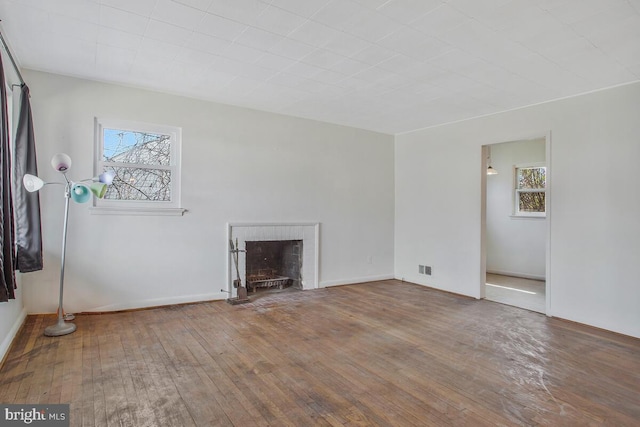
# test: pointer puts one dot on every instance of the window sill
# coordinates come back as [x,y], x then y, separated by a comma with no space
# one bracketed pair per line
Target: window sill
[538,217]
[101,210]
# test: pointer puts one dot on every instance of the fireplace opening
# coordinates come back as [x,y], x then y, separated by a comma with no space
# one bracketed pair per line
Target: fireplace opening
[273,264]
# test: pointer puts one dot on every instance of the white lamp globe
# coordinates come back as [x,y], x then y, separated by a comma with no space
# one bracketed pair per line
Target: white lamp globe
[61,162]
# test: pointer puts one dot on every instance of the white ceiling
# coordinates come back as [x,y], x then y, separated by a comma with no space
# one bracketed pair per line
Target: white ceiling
[386,65]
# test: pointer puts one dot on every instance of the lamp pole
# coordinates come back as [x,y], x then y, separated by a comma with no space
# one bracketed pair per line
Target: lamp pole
[62,327]
[80,193]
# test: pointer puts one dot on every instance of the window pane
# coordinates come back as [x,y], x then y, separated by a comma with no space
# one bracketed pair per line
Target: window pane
[125,146]
[140,184]
[531,178]
[531,202]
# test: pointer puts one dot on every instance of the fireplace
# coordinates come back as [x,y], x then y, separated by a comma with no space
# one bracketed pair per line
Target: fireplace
[306,233]
[273,263]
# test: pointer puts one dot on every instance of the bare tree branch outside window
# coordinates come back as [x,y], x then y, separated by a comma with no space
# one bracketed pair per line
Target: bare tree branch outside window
[530,191]
[141,162]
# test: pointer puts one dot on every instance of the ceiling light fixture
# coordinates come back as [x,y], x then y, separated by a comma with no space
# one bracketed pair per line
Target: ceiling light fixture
[490,170]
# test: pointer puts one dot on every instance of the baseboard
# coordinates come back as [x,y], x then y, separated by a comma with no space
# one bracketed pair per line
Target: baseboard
[158,302]
[328,283]
[515,274]
[6,343]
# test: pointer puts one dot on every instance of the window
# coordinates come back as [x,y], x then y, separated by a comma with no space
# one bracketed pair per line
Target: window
[530,190]
[145,159]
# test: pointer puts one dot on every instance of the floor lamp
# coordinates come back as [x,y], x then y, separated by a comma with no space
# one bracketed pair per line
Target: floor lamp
[79,193]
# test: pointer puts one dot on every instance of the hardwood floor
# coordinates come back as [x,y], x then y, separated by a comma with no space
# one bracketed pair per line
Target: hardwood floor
[518,292]
[382,353]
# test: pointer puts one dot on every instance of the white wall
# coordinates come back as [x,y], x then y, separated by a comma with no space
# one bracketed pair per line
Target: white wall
[594,203]
[239,165]
[12,315]
[516,246]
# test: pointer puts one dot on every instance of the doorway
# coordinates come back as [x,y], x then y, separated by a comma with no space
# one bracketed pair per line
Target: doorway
[515,223]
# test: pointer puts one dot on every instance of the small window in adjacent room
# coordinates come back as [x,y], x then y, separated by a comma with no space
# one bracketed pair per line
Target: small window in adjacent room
[530,190]
[145,159]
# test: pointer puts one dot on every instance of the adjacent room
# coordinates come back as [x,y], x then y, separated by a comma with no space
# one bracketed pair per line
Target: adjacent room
[516,229]
[320,212]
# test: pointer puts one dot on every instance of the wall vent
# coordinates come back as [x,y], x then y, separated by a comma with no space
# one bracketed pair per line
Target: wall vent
[424,269]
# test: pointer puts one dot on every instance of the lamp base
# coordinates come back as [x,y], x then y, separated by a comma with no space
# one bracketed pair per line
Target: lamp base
[60,328]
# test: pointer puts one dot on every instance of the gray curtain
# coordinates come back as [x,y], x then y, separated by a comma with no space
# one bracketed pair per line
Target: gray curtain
[27,205]
[7,275]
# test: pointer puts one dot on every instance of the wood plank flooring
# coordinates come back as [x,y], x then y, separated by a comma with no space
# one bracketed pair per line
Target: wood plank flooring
[516,291]
[374,354]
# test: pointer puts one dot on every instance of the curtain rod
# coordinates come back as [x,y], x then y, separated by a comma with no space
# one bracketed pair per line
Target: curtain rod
[13,62]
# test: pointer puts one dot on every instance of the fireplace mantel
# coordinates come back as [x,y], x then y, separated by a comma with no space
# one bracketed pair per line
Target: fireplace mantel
[308,232]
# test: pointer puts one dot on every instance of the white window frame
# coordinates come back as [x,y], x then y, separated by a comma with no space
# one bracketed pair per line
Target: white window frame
[517,191]
[139,207]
